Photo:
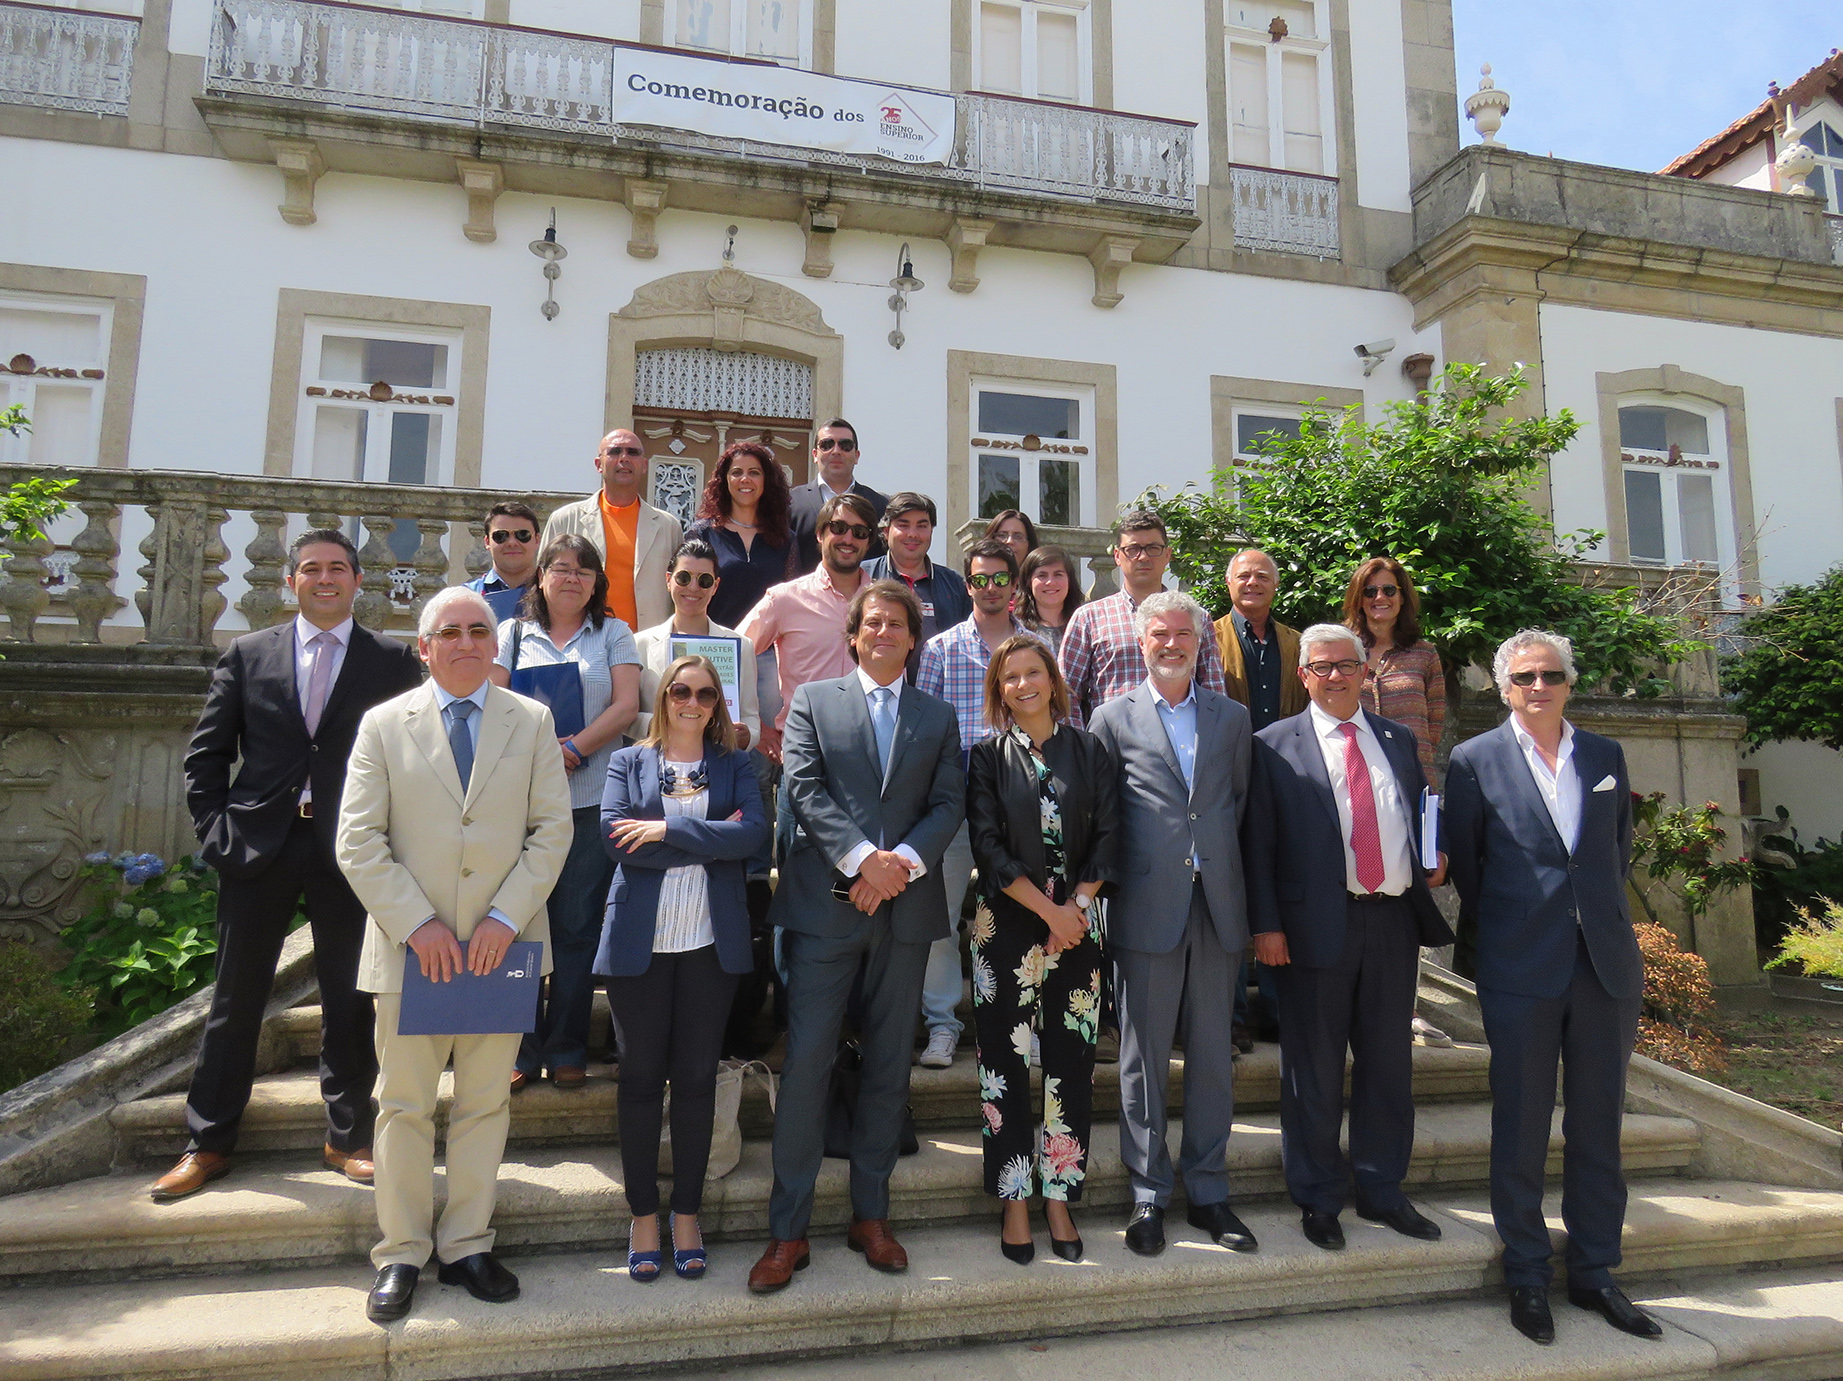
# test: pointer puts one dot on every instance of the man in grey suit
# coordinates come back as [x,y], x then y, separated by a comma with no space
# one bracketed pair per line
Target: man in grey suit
[1339,905]
[1177,923]
[1539,829]
[874,780]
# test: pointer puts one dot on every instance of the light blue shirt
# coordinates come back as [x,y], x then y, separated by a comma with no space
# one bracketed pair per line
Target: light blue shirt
[443,700]
[1180,721]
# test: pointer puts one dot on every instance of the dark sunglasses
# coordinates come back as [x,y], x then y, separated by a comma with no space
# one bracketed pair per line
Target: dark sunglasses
[502,535]
[623,451]
[1528,678]
[827,443]
[704,578]
[1002,579]
[839,528]
[1385,591]
[682,694]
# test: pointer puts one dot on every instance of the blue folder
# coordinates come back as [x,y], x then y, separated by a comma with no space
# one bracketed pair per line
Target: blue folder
[504,1002]
[503,603]
[559,686]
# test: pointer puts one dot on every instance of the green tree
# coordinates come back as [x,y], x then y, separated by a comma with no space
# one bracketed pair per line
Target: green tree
[31,503]
[1789,682]
[1437,485]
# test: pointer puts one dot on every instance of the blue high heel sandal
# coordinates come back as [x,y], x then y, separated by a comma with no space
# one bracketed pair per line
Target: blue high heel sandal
[643,1266]
[690,1264]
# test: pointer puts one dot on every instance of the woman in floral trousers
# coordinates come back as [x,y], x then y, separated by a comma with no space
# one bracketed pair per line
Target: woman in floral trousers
[1040,799]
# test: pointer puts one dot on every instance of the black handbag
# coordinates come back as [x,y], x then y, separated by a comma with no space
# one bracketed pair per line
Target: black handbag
[841,1107]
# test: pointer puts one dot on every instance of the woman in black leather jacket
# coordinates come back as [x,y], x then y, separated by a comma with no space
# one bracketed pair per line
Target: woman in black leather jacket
[1040,798]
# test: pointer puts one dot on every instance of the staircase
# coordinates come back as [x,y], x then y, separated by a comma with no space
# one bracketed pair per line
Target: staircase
[263,1275]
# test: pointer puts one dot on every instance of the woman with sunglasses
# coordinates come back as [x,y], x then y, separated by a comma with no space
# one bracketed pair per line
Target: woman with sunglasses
[1404,680]
[680,814]
[694,583]
[1049,590]
[743,515]
[562,621]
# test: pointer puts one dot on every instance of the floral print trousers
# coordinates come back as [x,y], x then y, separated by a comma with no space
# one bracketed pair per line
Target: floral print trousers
[1017,989]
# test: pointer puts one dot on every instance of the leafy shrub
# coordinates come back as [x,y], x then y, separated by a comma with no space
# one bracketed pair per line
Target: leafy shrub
[1681,847]
[148,940]
[1815,945]
[1789,681]
[38,1017]
[1792,880]
[1678,1002]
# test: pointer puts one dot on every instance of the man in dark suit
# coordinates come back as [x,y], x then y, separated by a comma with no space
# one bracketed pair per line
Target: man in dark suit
[1539,828]
[1177,922]
[1339,906]
[874,780]
[287,701]
[835,458]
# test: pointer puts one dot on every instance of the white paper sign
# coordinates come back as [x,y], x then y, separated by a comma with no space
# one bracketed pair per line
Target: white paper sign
[781,105]
[1430,830]
[725,654]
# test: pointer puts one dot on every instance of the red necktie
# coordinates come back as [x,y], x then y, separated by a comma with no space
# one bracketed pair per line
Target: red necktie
[1365,837]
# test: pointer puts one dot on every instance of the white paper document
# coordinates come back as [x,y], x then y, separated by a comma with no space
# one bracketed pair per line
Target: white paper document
[1430,830]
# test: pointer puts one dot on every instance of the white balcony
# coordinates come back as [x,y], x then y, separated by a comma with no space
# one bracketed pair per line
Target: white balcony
[1293,213]
[66,59]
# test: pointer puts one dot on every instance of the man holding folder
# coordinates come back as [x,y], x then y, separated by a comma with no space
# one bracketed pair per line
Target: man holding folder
[454,827]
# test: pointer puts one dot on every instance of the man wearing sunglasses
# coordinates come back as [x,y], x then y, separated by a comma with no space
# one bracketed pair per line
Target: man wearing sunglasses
[835,463]
[953,668]
[908,532]
[1539,826]
[635,539]
[511,532]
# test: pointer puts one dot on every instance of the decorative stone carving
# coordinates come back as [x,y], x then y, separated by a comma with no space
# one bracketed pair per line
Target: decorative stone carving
[645,200]
[54,788]
[373,607]
[185,552]
[24,594]
[1795,163]
[430,561]
[966,237]
[94,598]
[301,167]
[726,289]
[483,183]
[1487,107]
[262,604]
[819,224]
[1112,254]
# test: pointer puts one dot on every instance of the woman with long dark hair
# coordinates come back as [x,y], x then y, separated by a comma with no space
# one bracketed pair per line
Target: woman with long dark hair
[1049,591]
[744,516]
[1014,528]
[1404,680]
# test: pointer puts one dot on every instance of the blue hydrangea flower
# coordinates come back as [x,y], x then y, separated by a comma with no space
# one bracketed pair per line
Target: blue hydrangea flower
[124,858]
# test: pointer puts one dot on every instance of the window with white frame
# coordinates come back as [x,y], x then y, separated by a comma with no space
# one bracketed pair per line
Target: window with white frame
[1827,178]
[1258,428]
[1032,451]
[1676,488]
[1035,48]
[1280,91]
[776,30]
[378,406]
[52,356]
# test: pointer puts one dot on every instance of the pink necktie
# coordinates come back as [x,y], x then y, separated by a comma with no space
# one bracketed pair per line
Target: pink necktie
[1365,836]
[319,678]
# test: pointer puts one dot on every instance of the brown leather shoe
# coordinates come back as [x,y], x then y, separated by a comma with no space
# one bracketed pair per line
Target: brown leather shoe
[354,1165]
[519,1080]
[569,1076]
[873,1237]
[195,1170]
[777,1266]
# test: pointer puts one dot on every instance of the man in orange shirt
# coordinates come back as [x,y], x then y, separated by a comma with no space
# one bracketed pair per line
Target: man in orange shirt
[635,539]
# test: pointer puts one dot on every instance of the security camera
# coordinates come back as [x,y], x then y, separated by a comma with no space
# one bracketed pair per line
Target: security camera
[1372,354]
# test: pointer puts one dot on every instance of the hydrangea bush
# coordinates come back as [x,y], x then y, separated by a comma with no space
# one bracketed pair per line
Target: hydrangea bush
[148,939]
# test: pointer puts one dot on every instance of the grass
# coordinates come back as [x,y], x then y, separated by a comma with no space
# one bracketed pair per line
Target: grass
[1793,1060]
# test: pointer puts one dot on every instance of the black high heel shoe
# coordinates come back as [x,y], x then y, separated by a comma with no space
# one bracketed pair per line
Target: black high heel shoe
[1023,1253]
[1068,1251]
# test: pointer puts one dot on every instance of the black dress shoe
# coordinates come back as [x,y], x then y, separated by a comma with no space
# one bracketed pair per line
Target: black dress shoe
[1322,1230]
[1145,1230]
[1529,1313]
[483,1276]
[1223,1227]
[391,1292]
[1612,1305]
[1021,1252]
[1405,1219]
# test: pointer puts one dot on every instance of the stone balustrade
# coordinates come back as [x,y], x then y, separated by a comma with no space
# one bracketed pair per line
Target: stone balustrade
[61,59]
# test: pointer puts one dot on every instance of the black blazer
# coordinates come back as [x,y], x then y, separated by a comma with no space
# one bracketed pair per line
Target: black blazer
[1293,840]
[253,711]
[1004,809]
[803,521]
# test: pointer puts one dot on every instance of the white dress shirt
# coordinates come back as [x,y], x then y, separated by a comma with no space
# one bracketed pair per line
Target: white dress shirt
[855,859]
[682,922]
[305,632]
[1560,789]
[1392,818]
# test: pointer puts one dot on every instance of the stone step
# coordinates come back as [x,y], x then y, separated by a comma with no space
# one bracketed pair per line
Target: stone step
[284,1209]
[285,1111]
[581,1313]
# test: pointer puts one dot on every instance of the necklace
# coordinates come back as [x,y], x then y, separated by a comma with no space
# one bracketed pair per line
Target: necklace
[737,522]
[672,784]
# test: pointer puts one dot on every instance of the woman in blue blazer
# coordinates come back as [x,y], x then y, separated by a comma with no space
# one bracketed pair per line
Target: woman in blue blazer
[682,814]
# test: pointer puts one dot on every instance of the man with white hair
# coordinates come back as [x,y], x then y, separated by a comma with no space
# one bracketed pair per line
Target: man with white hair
[455,824]
[1340,906]
[1539,828]
[1178,923]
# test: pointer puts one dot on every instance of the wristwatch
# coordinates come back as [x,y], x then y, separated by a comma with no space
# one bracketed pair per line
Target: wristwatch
[1083,902]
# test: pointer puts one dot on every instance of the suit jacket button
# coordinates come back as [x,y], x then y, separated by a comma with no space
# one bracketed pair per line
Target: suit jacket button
[467,872]
[1193,815]
[467,819]
[1189,864]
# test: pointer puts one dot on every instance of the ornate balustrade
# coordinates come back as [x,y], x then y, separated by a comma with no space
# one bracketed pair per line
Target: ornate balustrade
[1835,224]
[1294,213]
[66,59]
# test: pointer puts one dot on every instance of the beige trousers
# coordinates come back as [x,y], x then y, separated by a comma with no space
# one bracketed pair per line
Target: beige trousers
[409,1078]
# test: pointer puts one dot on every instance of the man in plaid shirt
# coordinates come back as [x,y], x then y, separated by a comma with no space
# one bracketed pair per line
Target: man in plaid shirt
[953,667]
[1100,648]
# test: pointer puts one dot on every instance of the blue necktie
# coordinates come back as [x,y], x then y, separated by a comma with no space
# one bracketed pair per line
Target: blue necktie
[460,741]
[883,723]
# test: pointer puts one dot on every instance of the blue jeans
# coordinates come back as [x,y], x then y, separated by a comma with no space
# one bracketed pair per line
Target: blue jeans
[561,1038]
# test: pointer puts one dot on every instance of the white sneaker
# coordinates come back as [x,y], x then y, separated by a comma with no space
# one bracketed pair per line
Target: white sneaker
[939,1051]
[1426,1033]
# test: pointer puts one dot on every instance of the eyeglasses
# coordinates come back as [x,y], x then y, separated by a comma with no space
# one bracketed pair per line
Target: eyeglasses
[501,535]
[682,694]
[452,633]
[1528,678]
[624,451]
[1383,591]
[839,528]
[568,572]
[1139,551]
[704,578]
[1325,670]
[1001,579]
[828,443]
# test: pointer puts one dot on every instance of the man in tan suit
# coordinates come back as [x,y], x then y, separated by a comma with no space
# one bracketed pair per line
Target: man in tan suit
[454,827]
[636,540]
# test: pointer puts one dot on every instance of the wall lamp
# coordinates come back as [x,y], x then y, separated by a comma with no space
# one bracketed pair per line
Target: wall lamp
[905,282]
[550,252]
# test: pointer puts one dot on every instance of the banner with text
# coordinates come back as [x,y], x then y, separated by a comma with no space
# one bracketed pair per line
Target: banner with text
[781,105]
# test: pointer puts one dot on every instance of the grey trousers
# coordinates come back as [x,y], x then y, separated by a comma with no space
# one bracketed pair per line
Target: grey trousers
[821,971]
[1197,979]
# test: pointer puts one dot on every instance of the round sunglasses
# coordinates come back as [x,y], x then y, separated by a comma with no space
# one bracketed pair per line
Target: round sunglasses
[682,694]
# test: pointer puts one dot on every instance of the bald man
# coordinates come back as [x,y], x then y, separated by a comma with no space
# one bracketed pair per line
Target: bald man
[636,540]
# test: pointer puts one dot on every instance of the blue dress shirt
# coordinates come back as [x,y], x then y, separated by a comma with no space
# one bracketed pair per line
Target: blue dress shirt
[1180,721]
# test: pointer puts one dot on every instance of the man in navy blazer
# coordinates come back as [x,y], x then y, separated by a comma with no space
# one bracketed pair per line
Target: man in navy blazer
[1339,905]
[874,780]
[1539,828]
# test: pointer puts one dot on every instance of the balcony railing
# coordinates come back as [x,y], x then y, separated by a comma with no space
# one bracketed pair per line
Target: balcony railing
[486,76]
[1294,213]
[66,59]
[1836,237]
